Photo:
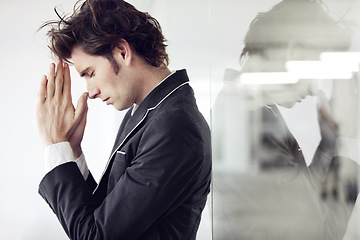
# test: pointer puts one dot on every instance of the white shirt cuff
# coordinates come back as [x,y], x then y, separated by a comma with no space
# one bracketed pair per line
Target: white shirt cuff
[60,153]
[81,163]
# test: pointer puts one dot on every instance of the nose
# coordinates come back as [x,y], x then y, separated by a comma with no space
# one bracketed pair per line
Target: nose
[94,92]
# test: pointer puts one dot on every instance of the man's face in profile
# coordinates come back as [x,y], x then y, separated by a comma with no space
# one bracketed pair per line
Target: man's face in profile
[102,81]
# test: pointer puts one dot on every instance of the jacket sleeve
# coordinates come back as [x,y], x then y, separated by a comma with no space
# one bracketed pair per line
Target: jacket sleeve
[69,196]
[169,156]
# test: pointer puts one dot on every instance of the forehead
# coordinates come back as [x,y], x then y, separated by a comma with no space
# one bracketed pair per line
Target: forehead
[83,60]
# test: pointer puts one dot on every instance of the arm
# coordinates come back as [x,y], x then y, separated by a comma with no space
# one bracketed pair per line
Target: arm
[61,126]
[337,150]
[168,160]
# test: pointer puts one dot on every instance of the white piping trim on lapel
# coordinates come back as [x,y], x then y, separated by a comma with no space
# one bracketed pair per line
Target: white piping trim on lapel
[147,111]
[168,95]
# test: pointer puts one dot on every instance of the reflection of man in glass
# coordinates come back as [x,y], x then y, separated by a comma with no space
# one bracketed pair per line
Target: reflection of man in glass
[284,34]
[282,200]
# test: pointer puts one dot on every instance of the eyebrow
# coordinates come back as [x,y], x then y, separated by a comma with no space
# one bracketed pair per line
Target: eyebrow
[83,72]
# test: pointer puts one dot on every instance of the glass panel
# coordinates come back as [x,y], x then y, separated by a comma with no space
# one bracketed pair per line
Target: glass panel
[285,109]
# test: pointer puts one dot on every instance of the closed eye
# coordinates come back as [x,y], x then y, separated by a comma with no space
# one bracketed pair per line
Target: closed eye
[87,74]
[86,71]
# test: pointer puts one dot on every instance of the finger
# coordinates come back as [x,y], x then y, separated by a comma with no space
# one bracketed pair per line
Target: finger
[84,109]
[323,103]
[59,79]
[81,108]
[51,81]
[42,90]
[67,81]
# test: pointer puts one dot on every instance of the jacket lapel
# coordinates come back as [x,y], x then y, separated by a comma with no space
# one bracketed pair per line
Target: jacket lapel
[130,123]
[159,94]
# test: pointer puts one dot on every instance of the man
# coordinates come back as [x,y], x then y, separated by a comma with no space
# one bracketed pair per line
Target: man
[157,179]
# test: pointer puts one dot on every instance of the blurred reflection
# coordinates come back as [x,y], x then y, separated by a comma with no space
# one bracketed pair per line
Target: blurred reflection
[263,188]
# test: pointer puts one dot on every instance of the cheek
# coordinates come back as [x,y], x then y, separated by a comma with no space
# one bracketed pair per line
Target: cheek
[108,84]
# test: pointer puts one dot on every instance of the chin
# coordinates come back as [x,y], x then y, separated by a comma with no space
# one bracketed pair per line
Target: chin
[287,104]
[121,107]
[118,108]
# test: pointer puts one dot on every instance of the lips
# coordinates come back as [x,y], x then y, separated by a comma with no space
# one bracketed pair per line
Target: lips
[106,100]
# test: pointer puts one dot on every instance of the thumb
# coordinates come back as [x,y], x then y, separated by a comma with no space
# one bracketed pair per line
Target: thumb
[81,107]
[327,124]
[323,104]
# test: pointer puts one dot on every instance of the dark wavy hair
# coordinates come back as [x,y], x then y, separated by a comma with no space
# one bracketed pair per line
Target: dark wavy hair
[96,26]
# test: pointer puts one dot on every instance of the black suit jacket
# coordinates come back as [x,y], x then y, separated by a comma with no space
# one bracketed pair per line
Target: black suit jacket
[157,179]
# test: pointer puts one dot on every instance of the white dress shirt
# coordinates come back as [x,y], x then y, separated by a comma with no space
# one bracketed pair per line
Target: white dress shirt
[60,153]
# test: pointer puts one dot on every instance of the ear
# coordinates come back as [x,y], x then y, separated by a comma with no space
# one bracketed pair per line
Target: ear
[124,52]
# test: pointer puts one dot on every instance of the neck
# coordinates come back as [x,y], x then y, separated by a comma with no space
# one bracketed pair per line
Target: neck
[150,78]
